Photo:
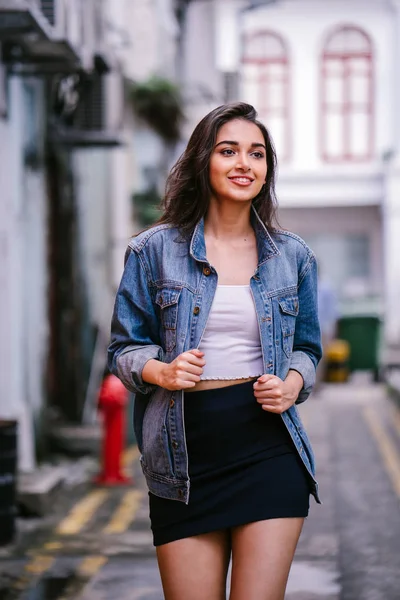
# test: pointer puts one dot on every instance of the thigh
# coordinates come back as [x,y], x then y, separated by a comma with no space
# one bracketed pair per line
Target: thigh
[195,567]
[262,553]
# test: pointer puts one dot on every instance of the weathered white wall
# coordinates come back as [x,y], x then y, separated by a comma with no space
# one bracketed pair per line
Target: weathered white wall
[25,276]
[334,221]
[203,84]
[391,211]
[305,25]
[7,251]
[143,34]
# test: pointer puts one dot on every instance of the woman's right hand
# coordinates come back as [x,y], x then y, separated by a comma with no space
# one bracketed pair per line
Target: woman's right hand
[183,372]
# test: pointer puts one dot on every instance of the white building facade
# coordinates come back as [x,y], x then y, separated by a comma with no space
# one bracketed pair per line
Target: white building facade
[323,77]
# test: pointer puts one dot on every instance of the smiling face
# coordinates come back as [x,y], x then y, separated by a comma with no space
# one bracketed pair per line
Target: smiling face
[238,164]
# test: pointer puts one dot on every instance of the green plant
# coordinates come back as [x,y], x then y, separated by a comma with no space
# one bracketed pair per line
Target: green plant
[146,206]
[158,102]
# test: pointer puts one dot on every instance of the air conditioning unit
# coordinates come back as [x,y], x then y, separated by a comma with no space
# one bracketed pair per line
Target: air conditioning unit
[51,36]
[41,35]
[74,23]
[22,17]
[89,110]
[49,10]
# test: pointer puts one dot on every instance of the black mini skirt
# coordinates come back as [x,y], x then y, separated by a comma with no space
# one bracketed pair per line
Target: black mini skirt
[243,467]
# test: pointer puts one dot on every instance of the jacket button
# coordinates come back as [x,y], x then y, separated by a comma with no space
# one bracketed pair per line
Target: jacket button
[175,445]
[207,271]
[196,310]
[180,493]
[171,403]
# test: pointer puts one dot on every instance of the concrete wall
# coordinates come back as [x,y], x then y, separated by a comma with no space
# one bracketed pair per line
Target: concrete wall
[143,34]
[203,83]
[23,292]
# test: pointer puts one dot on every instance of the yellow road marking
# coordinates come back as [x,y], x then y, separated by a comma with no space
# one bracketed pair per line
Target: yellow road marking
[36,567]
[39,564]
[388,451]
[130,455]
[86,569]
[125,513]
[52,546]
[84,510]
[81,513]
[90,565]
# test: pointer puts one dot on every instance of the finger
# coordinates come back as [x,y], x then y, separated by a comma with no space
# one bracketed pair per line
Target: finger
[184,385]
[193,359]
[271,401]
[185,376]
[266,387]
[271,408]
[270,381]
[273,394]
[193,369]
[184,360]
[196,352]
[267,400]
[266,377]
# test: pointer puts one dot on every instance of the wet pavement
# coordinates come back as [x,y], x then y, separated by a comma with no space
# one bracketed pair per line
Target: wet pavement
[97,544]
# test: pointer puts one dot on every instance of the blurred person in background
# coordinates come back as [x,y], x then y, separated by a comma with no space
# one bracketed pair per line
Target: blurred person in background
[215,329]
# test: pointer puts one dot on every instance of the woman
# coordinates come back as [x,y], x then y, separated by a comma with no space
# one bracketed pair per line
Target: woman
[215,329]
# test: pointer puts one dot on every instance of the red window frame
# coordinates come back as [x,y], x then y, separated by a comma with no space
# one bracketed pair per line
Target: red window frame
[346,108]
[266,76]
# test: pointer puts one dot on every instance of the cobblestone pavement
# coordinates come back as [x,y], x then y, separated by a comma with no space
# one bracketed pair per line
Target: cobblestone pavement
[98,546]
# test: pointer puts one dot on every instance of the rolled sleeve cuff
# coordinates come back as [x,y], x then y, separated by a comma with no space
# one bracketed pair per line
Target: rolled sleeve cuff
[303,364]
[130,364]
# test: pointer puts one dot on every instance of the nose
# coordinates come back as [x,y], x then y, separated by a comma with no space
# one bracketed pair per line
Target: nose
[243,162]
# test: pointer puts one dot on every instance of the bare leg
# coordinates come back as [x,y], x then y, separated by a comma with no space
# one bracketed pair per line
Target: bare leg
[195,567]
[262,553]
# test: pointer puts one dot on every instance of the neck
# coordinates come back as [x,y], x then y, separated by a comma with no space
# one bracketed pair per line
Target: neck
[228,222]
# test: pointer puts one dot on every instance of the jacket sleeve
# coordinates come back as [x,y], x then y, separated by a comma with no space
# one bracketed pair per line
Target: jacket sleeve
[134,327]
[307,349]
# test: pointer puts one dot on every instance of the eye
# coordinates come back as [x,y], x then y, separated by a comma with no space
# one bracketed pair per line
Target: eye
[258,155]
[227,152]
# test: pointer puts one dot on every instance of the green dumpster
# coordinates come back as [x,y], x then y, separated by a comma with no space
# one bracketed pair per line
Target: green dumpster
[362,332]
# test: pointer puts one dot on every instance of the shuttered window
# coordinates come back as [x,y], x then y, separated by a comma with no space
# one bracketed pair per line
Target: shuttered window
[266,78]
[347,102]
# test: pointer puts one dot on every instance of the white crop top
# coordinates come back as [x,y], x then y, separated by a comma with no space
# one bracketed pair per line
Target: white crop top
[231,340]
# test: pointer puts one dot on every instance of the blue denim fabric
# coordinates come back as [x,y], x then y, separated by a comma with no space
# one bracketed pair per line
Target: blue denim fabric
[161,310]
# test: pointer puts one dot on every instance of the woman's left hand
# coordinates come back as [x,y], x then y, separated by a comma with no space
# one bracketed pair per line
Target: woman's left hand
[276,395]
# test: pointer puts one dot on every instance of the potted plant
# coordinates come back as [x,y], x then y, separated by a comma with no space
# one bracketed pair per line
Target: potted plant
[158,102]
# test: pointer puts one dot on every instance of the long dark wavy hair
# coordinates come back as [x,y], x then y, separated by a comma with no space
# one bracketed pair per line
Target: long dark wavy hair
[188,190]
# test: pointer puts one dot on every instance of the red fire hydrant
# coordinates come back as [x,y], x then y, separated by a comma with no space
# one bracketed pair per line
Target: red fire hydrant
[113,398]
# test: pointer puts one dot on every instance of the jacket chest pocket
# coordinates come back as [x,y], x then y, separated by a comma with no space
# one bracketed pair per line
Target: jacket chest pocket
[167,299]
[289,309]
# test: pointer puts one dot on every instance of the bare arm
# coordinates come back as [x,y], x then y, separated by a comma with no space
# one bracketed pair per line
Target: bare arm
[182,373]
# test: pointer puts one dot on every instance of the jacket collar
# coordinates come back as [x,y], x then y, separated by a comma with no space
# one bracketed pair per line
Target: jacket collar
[265,244]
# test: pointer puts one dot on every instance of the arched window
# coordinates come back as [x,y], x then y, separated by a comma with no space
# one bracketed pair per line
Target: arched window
[265,67]
[347,103]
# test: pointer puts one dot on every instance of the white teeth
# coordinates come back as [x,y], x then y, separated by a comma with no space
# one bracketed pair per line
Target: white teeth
[241,179]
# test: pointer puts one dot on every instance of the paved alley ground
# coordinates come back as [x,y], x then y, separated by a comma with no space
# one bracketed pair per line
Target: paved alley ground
[98,545]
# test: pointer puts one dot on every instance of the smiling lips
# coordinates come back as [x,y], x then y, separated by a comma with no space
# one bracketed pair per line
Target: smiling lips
[242,180]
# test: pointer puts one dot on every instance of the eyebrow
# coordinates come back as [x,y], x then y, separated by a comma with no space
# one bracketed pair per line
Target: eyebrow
[233,143]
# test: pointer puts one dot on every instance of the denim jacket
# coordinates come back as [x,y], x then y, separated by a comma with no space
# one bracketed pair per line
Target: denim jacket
[161,310]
